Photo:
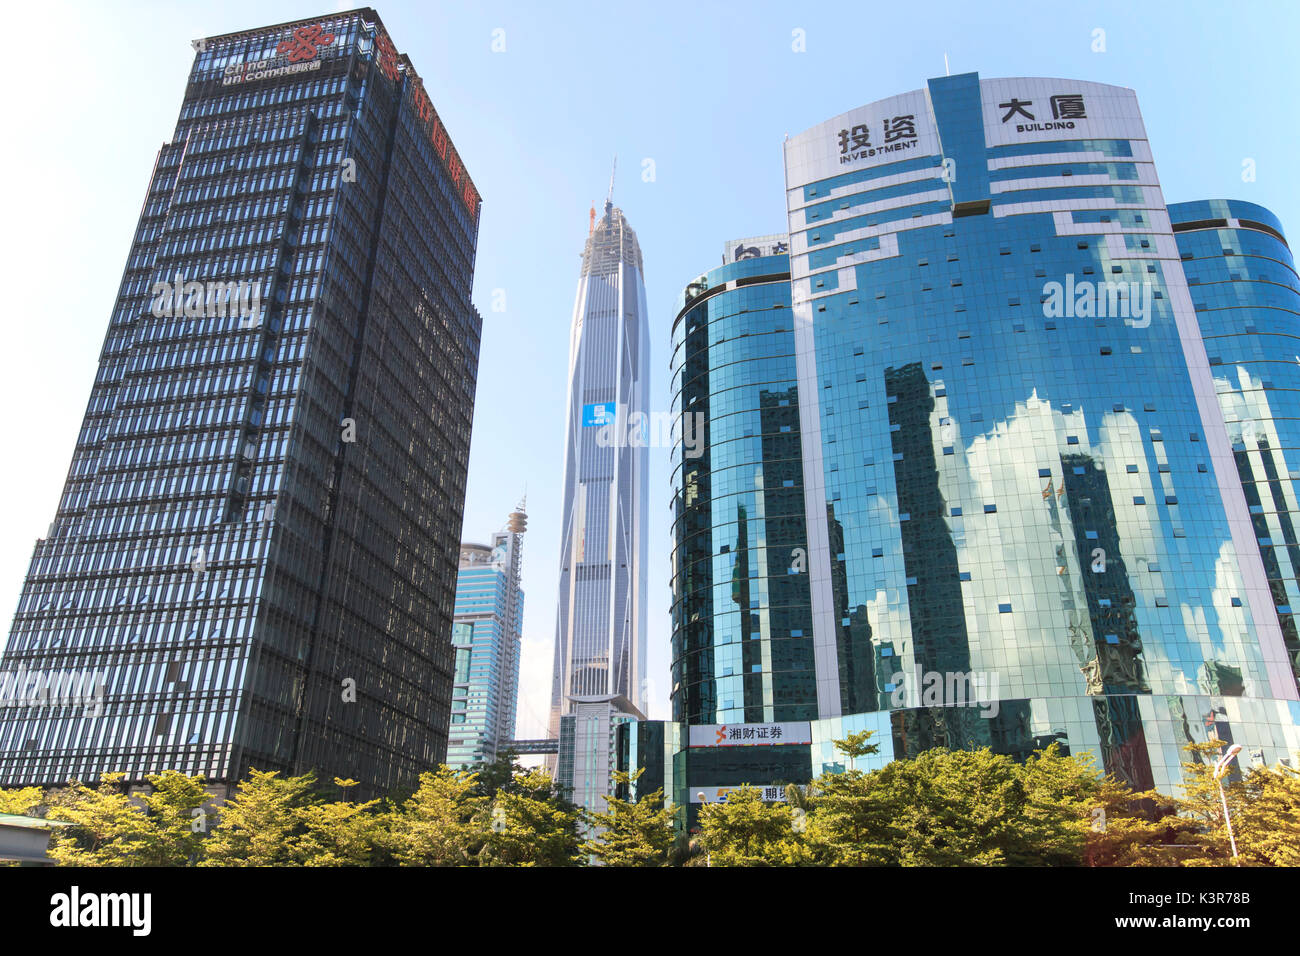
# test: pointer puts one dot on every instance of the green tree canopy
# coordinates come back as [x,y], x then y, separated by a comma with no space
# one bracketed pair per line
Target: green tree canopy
[261,823]
[441,824]
[631,833]
[745,831]
[532,823]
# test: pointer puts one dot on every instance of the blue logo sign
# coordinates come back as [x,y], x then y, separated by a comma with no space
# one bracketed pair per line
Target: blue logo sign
[599,413]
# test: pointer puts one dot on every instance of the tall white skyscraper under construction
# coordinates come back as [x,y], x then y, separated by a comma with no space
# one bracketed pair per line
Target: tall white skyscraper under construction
[601,619]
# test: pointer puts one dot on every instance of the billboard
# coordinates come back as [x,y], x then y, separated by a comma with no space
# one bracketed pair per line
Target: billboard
[768,794]
[753,248]
[599,413]
[751,735]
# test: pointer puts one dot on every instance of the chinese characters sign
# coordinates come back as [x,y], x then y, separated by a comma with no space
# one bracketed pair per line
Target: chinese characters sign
[893,134]
[1024,109]
[1065,107]
[300,53]
[750,735]
[894,130]
[737,249]
[387,55]
[768,794]
[456,172]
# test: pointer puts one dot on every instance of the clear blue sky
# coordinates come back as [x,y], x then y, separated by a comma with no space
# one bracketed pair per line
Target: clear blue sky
[706,90]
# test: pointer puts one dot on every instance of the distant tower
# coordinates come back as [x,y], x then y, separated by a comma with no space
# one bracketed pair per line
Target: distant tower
[486,637]
[600,627]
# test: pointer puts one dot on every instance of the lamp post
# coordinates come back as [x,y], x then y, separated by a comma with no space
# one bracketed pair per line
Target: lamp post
[1220,771]
[708,854]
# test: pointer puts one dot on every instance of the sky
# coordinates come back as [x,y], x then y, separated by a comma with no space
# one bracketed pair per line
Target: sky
[694,98]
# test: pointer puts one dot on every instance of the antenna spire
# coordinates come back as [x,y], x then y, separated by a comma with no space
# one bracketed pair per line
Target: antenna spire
[609,198]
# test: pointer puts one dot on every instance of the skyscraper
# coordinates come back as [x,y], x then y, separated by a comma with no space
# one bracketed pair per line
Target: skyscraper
[253,561]
[1022,515]
[487,635]
[588,747]
[1242,280]
[600,625]
[1013,425]
[741,616]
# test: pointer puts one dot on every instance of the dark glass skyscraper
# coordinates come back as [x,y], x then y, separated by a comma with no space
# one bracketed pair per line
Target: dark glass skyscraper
[254,559]
[1242,280]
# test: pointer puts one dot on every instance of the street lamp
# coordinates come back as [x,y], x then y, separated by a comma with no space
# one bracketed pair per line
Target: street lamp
[1220,771]
[708,854]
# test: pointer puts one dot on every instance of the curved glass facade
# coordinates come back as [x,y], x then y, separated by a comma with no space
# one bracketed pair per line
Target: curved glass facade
[1024,520]
[1243,285]
[742,627]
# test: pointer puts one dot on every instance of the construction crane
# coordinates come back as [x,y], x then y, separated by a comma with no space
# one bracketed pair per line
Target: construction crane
[609,199]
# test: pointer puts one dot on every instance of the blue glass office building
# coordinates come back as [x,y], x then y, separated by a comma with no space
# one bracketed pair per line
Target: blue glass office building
[1242,280]
[742,649]
[1010,423]
[254,558]
[487,634]
[741,615]
[1023,516]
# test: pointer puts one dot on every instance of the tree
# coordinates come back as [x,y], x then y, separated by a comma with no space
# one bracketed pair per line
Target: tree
[686,851]
[1264,807]
[1075,815]
[177,831]
[1268,826]
[532,824]
[857,745]
[22,801]
[850,820]
[261,823]
[1202,805]
[341,833]
[442,824]
[631,833]
[745,831]
[107,830]
[497,775]
[941,808]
